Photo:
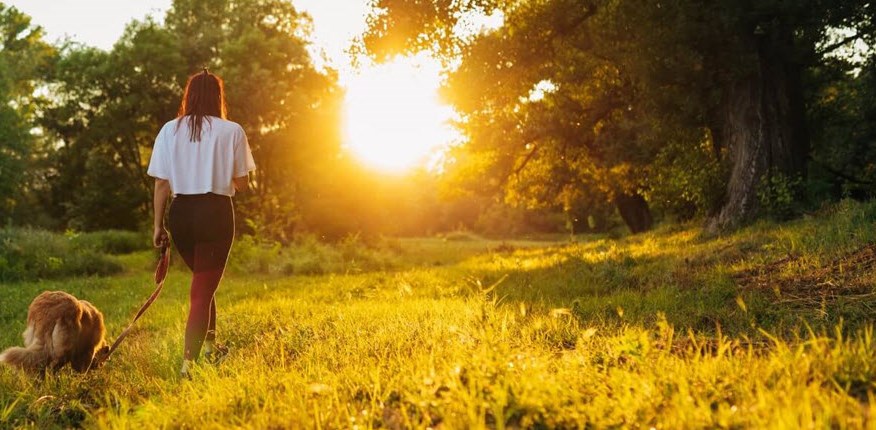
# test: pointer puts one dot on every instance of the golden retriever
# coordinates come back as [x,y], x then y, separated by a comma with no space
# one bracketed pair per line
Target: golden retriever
[60,329]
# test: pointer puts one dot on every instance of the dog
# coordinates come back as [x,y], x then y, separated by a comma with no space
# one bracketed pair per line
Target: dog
[61,330]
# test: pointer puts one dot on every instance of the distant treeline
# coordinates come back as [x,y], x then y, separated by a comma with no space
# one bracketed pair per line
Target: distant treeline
[579,116]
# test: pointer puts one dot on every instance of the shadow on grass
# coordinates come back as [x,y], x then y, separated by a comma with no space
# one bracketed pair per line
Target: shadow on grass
[692,283]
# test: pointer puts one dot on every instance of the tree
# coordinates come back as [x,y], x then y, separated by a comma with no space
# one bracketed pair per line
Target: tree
[290,110]
[725,72]
[105,110]
[108,106]
[24,59]
[844,129]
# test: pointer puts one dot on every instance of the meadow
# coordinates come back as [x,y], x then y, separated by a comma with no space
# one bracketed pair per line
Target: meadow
[769,327]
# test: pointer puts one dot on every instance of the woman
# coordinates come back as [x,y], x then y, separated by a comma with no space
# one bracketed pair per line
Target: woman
[201,159]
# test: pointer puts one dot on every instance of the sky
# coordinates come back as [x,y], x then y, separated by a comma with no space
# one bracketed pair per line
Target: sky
[101,22]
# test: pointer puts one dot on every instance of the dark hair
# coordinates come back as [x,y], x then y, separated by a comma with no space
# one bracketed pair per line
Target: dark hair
[204,96]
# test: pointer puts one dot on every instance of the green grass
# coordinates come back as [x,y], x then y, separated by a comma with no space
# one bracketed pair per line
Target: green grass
[765,328]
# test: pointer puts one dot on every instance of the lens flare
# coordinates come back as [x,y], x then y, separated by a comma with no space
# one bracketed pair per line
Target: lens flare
[393,118]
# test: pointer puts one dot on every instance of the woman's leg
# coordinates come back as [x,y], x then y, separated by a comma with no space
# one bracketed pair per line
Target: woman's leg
[211,327]
[204,285]
[210,257]
[179,223]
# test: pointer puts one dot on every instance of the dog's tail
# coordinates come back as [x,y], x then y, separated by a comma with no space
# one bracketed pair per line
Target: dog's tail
[31,359]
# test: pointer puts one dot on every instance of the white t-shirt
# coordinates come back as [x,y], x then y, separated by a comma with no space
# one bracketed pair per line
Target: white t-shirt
[207,166]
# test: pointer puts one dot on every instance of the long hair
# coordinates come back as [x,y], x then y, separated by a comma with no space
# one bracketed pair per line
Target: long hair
[204,97]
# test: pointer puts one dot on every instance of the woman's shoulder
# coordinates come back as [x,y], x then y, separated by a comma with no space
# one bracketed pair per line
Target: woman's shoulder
[166,129]
[169,125]
[226,123]
[226,127]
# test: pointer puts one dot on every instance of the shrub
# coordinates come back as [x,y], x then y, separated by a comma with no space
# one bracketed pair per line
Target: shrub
[112,241]
[778,195]
[29,254]
[687,182]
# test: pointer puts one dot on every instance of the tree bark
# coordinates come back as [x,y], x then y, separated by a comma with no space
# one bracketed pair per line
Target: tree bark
[762,124]
[633,208]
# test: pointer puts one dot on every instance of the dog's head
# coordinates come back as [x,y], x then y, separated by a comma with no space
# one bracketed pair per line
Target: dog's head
[101,355]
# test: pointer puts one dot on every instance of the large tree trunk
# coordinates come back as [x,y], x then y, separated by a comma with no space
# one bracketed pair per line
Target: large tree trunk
[762,124]
[634,210]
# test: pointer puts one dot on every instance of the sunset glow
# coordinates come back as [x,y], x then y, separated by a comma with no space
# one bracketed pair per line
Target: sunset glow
[393,119]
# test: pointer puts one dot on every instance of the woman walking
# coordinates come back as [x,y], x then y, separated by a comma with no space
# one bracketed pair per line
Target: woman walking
[200,159]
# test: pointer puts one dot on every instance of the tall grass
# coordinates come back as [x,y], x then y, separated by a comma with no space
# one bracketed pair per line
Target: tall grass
[309,256]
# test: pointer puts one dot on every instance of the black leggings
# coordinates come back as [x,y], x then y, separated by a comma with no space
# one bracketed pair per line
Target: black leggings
[202,228]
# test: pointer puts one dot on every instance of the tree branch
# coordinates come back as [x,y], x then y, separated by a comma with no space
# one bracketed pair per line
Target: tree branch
[526,160]
[840,174]
[832,47]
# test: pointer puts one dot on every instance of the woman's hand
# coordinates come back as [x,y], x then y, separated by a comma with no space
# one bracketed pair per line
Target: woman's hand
[159,201]
[159,237]
[241,183]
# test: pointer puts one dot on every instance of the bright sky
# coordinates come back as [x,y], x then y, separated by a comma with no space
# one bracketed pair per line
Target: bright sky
[94,22]
[101,22]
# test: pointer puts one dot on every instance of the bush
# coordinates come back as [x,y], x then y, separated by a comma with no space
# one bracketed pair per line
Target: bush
[687,182]
[29,254]
[778,195]
[112,241]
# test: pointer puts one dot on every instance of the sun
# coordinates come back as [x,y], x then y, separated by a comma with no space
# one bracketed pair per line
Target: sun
[393,118]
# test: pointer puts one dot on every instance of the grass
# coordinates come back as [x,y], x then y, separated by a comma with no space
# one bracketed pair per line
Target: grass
[770,327]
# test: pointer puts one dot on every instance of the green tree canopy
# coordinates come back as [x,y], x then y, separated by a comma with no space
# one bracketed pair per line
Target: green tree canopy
[24,59]
[108,107]
[647,98]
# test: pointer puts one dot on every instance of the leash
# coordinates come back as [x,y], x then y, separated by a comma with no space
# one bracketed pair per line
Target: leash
[160,274]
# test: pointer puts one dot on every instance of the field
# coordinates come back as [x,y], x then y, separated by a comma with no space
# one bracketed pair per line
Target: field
[770,327]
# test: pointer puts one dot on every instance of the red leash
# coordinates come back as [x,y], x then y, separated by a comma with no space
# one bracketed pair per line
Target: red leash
[160,274]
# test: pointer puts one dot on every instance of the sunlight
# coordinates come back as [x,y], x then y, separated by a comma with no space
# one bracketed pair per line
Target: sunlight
[393,119]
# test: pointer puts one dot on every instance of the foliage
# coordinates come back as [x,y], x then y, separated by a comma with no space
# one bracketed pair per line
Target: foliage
[502,220]
[778,195]
[105,110]
[557,131]
[661,329]
[28,254]
[111,241]
[290,110]
[108,106]
[844,130]
[688,182]
[596,97]
[569,109]
[24,58]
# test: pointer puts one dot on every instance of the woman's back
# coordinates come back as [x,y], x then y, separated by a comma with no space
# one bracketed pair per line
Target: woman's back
[204,166]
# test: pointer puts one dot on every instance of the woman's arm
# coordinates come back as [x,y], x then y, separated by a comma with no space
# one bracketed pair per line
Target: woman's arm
[159,202]
[241,183]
